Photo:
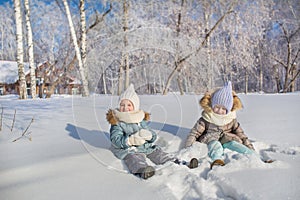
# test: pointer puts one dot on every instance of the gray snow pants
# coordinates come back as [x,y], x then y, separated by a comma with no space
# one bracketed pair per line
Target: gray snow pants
[136,161]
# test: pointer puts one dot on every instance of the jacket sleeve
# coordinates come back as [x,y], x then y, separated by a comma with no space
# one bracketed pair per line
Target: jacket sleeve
[195,133]
[237,129]
[145,126]
[118,138]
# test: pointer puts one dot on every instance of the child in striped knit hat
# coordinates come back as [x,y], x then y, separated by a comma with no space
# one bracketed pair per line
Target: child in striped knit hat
[218,126]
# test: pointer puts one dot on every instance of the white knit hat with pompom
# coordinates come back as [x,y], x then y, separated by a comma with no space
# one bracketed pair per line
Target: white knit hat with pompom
[132,96]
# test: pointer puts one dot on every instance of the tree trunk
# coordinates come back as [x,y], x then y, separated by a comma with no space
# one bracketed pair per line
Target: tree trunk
[30,51]
[278,85]
[20,61]
[288,65]
[126,56]
[208,51]
[83,31]
[126,70]
[120,85]
[168,83]
[179,81]
[83,38]
[178,30]
[82,70]
[246,81]
[293,79]
[177,62]
[83,35]
[104,82]
[261,77]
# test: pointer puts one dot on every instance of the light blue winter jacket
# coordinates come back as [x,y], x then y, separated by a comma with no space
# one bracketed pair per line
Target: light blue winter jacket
[120,131]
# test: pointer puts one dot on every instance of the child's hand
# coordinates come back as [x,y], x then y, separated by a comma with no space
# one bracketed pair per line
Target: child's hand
[146,134]
[135,140]
[139,137]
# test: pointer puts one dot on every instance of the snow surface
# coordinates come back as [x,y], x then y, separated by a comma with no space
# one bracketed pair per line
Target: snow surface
[68,156]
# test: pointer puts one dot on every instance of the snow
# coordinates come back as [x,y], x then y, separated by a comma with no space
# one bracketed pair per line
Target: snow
[68,156]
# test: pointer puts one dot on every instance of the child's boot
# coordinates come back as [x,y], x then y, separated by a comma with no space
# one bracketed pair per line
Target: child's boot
[146,172]
[217,162]
[193,163]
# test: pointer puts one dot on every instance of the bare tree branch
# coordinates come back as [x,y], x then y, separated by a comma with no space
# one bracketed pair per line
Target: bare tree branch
[279,61]
[207,36]
[99,19]
[14,119]
[293,79]
[23,134]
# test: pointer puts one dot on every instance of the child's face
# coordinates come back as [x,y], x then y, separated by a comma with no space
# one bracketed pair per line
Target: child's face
[220,110]
[126,106]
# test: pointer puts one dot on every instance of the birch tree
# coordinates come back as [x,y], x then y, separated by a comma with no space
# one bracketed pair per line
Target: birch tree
[82,70]
[20,53]
[157,42]
[83,34]
[30,51]
[93,62]
[125,57]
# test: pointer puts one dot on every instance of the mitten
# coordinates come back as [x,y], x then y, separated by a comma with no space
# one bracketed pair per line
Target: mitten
[135,140]
[248,144]
[145,134]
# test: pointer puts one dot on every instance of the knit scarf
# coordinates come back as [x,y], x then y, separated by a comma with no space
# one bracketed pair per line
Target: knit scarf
[219,120]
[130,117]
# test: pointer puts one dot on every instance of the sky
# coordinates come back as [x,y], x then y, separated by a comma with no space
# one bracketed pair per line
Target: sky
[64,153]
[4,1]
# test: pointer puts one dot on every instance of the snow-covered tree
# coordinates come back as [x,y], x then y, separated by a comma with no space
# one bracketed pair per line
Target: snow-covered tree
[286,42]
[30,50]
[20,52]
[82,69]
[7,32]
[186,46]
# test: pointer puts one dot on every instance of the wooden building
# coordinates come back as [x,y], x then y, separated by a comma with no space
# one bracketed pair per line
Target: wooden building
[49,80]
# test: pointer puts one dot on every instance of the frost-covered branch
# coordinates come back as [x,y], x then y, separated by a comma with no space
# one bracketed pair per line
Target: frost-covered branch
[13,122]
[25,132]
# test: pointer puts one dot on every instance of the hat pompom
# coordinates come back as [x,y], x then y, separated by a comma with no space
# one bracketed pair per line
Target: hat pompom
[223,97]
[132,96]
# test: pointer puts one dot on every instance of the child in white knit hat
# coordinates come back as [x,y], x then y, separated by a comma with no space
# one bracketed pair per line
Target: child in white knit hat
[132,140]
[218,126]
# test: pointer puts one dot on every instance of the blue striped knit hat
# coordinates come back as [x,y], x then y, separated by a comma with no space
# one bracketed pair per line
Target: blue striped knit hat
[223,97]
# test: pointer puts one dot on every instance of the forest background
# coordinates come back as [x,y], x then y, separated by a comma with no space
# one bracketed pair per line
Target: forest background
[185,46]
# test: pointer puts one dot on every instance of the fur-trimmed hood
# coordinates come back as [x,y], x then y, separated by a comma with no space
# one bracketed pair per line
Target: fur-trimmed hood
[113,120]
[205,102]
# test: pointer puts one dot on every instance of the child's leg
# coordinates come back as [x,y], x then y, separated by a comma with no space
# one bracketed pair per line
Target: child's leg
[238,147]
[215,150]
[134,162]
[160,157]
